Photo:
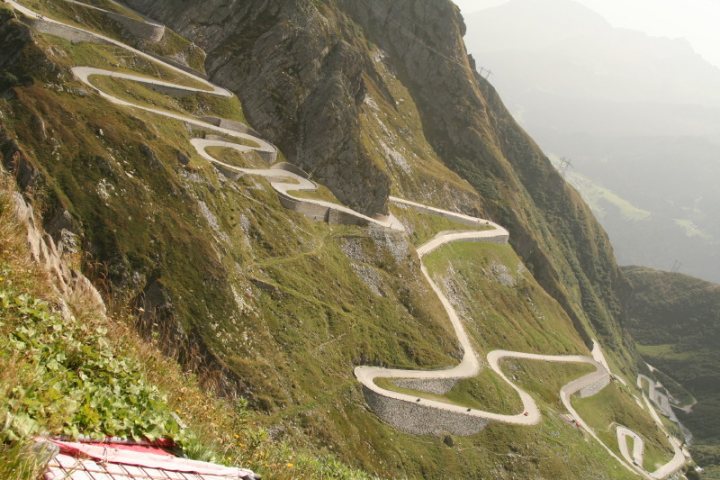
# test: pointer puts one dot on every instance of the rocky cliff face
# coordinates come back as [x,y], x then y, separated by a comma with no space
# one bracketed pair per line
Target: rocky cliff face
[303,69]
[298,69]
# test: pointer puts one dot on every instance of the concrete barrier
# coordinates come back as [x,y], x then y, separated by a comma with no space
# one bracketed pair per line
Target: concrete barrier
[418,419]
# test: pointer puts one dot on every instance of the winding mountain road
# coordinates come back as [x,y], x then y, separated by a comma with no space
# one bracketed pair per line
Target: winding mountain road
[285,181]
[637,457]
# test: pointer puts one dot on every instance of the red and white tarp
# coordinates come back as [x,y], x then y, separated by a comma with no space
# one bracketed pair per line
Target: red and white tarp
[111,461]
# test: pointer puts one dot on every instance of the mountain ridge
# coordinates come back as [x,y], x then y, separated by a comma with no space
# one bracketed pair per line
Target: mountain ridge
[288,316]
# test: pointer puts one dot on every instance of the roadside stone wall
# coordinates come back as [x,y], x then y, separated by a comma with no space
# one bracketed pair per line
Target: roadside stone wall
[499,239]
[68,33]
[231,125]
[315,212]
[436,386]
[289,167]
[147,31]
[418,419]
[426,209]
[602,381]
[169,91]
[338,217]
[267,156]
[179,64]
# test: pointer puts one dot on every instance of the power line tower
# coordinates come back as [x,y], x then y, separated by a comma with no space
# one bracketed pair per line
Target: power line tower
[565,163]
[485,72]
[676,266]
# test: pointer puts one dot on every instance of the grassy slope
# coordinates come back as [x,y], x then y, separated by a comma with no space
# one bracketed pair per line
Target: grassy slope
[289,306]
[96,376]
[675,320]
[171,46]
[615,406]
[459,147]
[600,198]
[423,226]
[509,310]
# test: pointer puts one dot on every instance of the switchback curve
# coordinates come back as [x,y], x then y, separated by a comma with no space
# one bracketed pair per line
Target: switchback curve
[284,181]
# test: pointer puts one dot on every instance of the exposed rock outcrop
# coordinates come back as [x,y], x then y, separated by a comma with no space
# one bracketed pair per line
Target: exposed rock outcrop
[298,68]
[301,70]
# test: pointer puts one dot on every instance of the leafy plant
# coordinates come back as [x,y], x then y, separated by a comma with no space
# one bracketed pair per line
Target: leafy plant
[70,381]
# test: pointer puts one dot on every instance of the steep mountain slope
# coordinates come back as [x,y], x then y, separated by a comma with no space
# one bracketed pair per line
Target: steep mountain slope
[461,119]
[265,303]
[676,321]
[632,112]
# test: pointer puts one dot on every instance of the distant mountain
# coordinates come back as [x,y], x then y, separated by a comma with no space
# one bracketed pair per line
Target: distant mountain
[676,322]
[635,114]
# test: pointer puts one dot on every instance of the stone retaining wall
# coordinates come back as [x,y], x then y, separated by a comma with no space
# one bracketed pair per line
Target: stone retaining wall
[231,125]
[147,31]
[311,210]
[178,64]
[500,239]
[419,419]
[448,215]
[289,167]
[438,386]
[174,92]
[63,31]
[602,381]
[269,157]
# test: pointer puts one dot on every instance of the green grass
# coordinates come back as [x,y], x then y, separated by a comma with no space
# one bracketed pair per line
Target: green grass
[487,391]
[235,158]
[600,198]
[321,193]
[545,379]
[67,379]
[614,405]
[503,306]
[423,226]
[113,58]
[193,104]
[94,376]
[277,300]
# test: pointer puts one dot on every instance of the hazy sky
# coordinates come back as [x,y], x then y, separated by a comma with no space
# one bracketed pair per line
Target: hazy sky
[696,20]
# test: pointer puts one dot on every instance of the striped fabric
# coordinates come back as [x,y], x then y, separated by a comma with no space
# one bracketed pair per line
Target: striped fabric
[87,461]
